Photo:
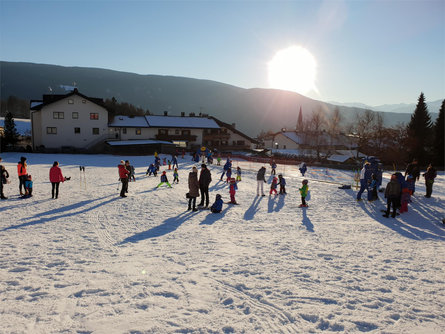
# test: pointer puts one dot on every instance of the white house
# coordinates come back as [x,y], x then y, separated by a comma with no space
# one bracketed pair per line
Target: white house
[72,120]
[75,121]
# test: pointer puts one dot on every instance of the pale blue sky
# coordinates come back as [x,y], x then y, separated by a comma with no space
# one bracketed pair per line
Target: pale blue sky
[373,52]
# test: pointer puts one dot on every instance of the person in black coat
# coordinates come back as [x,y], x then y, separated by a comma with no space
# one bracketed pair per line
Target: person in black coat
[413,170]
[3,179]
[204,181]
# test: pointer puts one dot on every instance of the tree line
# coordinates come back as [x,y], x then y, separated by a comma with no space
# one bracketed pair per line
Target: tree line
[420,138]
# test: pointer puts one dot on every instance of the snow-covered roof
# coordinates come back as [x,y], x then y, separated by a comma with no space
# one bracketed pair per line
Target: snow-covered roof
[351,153]
[338,157]
[36,103]
[22,125]
[137,142]
[181,122]
[293,136]
[129,122]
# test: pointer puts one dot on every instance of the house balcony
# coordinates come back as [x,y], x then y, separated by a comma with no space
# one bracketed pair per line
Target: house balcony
[216,136]
[187,138]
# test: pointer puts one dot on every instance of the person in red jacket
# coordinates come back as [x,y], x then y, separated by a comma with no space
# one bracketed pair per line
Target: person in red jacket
[123,176]
[55,177]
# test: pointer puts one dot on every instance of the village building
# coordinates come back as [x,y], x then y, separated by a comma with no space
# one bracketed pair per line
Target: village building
[75,121]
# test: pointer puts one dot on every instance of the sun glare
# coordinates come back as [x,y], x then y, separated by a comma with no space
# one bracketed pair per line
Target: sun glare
[293,69]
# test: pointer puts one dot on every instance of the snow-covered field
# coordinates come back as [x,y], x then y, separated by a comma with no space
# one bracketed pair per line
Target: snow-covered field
[92,262]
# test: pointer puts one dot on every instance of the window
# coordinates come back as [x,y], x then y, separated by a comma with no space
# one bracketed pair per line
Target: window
[58,115]
[163,132]
[124,131]
[51,130]
[240,143]
[94,115]
[75,115]
[84,101]
[76,130]
[138,131]
[186,132]
[284,146]
[70,101]
[95,131]
[177,132]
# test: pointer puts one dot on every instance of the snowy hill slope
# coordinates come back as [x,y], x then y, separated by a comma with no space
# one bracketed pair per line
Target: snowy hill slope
[91,261]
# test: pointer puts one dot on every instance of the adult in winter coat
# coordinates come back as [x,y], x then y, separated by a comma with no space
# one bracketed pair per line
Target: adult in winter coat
[193,188]
[392,195]
[429,176]
[260,179]
[365,175]
[227,166]
[303,168]
[123,176]
[55,177]
[205,177]
[22,173]
[3,179]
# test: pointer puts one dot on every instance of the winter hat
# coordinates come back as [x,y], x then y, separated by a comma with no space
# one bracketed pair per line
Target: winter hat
[55,163]
[305,181]
[163,173]
[393,177]
[22,159]
[122,162]
[232,180]
[218,196]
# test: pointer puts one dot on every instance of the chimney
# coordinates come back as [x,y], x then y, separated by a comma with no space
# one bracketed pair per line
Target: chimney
[165,113]
[182,114]
[192,114]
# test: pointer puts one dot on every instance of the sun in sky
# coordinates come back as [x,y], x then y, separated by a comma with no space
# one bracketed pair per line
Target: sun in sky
[294,69]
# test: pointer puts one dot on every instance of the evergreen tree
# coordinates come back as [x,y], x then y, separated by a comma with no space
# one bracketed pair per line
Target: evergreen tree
[438,146]
[11,136]
[419,132]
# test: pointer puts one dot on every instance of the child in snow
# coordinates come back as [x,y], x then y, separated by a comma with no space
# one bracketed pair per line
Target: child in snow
[164,180]
[273,186]
[410,184]
[130,168]
[151,170]
[227,166]
[282,183]
[229,175]
[3,180]
[164,161]
[169,165]
[175,176]
[303,168]
[238,174]
[28,186]
[274,167]
[157,162]
[404,200]
[218,160]
[303,191]
[232,190]
[217,205]
[373,188]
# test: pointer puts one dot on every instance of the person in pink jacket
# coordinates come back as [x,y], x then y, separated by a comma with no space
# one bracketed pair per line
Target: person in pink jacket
[55,177]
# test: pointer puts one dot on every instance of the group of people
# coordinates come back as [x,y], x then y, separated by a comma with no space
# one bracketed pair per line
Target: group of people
[25,179]
[399,189]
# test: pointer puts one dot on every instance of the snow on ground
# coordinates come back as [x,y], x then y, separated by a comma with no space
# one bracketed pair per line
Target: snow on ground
[22,125]
[92,262]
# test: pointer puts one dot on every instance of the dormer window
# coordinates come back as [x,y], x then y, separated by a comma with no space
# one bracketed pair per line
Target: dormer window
[70,101]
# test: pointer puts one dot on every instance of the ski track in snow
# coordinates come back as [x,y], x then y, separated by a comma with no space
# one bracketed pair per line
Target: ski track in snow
[92,262]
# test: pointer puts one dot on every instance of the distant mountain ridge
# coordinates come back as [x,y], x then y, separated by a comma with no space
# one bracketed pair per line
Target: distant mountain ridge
[433,106]
[253,110]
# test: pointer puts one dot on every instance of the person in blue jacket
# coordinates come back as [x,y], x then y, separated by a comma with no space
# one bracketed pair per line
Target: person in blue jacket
[303,168]
[217,205]
[227,166]
[282,183]
[157,162]
[151,170]
[164,180]
[175,162]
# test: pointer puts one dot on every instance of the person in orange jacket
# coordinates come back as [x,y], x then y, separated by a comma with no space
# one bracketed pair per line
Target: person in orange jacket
[22,173]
